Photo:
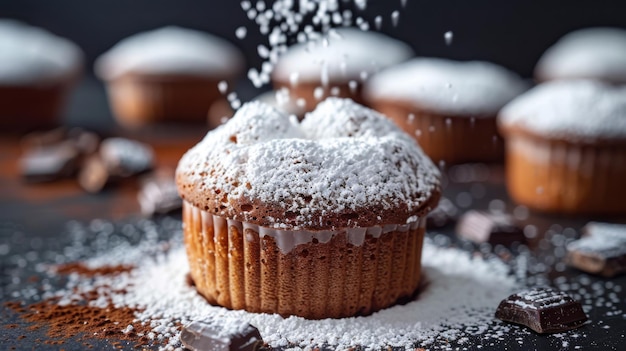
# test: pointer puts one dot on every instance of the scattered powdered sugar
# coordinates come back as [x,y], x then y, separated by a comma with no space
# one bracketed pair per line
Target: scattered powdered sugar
[30,54]
[170,50]
[342,156]
[458,299]
[572,109]
[596,53]
[472,89]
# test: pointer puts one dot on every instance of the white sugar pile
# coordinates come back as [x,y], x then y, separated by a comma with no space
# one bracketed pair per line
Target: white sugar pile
[458,300]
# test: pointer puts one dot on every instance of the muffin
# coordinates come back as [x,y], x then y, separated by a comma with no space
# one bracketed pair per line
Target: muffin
[566,147]
[591,53]
[167,74]
[449,107]
[320,219]
[336,65]
[37,70]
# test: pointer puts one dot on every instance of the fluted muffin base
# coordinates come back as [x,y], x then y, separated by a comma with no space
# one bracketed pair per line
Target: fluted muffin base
[323,274]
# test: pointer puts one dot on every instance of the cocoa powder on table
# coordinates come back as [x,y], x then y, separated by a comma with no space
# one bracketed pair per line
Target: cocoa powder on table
[82,321]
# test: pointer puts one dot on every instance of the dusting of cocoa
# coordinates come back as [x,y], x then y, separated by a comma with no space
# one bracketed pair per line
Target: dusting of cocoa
[82,269]
[80,320]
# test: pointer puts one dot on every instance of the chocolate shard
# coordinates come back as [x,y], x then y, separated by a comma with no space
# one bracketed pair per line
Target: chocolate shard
[493,228]
[158,193]
[601,250]
[442,215]
[211,336]
[125,157]
[50,162]
[544,310]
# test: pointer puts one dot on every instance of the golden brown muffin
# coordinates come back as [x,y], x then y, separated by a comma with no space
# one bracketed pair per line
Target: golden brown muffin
[449,107]
[566,148]
[37,70]
[320,219]
[336,65]
[168,74]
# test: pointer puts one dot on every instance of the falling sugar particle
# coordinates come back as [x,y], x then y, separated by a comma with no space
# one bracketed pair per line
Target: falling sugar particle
[378,21]
[395,17]
[241,32]
[448,36]
[222,86]
[318,93]
[403,3]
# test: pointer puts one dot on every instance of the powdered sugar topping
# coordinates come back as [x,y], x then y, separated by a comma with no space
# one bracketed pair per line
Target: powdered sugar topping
[343,156]
[472,89]
[29,54]
[170,50]
[596,53]
[344,54]
[578,109]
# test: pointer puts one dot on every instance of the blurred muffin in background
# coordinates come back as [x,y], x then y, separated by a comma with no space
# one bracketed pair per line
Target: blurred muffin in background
[37,70]
[167,74]
[336,65]
[591,53]
[449,107]
[566,147]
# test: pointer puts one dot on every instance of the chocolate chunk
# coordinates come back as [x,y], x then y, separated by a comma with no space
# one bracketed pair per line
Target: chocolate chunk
[49,163]
[86,142]
[93,176]
[443,214]
[493,228]
[544,310]
[158,193]
[125,157]
[44,138]
[202,336]
[601,250]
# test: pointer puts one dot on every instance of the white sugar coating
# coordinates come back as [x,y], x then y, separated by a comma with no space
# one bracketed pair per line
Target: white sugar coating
[570,109]
[342,156]
[606,239]
[473,89]
[170,51]
[30,55]
[460,299]
[594,53]
[342,56]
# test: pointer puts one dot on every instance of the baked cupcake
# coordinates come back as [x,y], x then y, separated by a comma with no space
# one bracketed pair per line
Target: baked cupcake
[336,64]
[566,147]
[320,219]
[167,74]
[592,53]
[37,70]
[449,107]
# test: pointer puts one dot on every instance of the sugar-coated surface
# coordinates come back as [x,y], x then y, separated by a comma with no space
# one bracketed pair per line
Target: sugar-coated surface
[31,55]
[342,156]
[576,109]
[170,51]
[459,300]
[597,53]
[472,89]
[343,54]
[604,239]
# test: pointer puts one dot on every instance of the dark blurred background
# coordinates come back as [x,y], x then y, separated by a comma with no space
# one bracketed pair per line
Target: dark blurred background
[512,33]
